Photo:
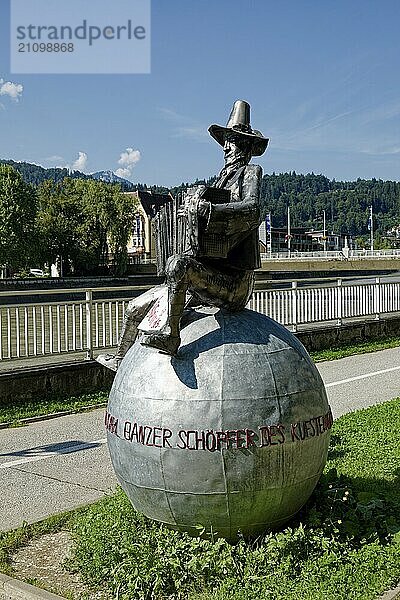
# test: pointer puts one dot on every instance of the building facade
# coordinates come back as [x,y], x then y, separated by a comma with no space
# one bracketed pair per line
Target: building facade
[301,240]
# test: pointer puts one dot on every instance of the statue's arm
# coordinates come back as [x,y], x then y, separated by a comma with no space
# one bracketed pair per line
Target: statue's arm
[243,215]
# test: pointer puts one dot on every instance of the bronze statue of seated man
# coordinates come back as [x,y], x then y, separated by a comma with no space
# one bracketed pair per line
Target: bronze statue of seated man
[224,278]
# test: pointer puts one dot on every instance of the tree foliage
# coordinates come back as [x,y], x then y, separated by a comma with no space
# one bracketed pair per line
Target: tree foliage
[81,220]
[46,215]
[35,174]
[17,218]
[346,204]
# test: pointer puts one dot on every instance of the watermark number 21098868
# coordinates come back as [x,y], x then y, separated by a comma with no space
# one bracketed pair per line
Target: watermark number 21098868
[80,37]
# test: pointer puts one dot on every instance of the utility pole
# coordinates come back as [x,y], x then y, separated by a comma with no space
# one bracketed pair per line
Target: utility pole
[324,238]
[371,229]
[289,235]
[269,232]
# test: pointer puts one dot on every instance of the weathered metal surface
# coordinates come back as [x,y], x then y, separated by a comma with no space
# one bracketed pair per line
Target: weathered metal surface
[231,433]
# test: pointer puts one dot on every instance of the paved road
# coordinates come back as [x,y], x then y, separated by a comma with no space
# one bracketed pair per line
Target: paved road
[362,380]
[56,465]
[52,466]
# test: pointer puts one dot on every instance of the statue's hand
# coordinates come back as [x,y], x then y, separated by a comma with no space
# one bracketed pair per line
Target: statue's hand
[203,209]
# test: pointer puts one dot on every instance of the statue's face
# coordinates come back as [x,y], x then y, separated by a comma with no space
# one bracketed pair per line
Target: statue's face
[236,148]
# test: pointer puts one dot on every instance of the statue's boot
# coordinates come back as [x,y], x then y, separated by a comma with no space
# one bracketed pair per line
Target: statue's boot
[135,312]
[163,340]
[111,361]
[168,339]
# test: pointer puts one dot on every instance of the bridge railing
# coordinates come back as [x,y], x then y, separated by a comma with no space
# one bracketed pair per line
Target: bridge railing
[345,254]
[64,327]
[323,303]
[89,325]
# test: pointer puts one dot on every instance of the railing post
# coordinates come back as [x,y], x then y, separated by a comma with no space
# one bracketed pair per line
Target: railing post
[377,298]
[294,305]
[340,302]
[89,328]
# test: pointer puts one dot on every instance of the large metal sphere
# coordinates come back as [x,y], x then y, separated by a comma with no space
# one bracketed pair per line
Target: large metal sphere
[232,433]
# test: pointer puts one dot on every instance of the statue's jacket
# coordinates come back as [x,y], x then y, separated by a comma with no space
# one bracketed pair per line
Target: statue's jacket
[240,219]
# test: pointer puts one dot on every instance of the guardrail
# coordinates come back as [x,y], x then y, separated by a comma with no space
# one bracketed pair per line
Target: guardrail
[49,328]
[307,305]
[345,254]
[88,324]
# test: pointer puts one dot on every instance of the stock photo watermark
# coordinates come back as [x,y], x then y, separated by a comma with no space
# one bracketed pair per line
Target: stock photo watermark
[80,37]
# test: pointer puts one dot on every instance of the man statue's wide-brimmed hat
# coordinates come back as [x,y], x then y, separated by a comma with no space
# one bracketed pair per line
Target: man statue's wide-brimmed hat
[239,122]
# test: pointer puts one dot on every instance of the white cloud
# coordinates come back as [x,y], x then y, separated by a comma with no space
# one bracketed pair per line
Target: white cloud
[185,127]
[199,133]
[127,160]
[60,163]
[383,112]
[55,158]
[123,172]
[14,90]
[81,161]
[385,150]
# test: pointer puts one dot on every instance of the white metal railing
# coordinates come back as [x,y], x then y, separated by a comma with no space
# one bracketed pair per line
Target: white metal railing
[345,254]
[67,326]
[301,305]
[86,325]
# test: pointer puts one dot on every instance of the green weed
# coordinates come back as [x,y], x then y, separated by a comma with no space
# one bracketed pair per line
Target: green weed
[14,412]
[351,349]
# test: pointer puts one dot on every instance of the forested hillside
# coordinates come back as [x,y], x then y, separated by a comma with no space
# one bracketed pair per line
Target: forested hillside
[346,204]
[35,174]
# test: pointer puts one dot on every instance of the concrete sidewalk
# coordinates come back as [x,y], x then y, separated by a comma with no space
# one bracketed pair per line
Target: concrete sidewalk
[7,366]
[48,467]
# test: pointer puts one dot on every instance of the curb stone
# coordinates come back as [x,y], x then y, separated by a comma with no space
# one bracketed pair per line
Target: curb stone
[13,589]
[63,413]
[392,594]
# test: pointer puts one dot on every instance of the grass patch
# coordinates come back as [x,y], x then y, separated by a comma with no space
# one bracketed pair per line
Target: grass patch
[14,412]
[345,544]
[351,349]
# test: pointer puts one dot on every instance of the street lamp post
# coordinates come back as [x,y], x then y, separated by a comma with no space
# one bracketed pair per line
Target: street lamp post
[371,228]
[289,235]
[324,227]
[268,226]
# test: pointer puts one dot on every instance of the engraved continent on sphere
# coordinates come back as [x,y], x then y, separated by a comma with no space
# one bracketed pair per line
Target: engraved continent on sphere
[231,433]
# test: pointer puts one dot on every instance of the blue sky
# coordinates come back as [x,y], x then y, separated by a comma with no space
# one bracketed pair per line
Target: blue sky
[321,77]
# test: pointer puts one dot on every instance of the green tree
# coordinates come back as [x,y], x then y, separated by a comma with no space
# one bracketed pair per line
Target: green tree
[106,226]
[57,223]
[124,209]
[17,218]
[95,201]
[80,221]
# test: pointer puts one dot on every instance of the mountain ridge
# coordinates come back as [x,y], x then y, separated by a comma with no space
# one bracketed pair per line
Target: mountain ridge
[109,176]
[36,174]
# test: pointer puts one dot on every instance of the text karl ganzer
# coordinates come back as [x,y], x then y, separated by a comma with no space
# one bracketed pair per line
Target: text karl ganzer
[208,439]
